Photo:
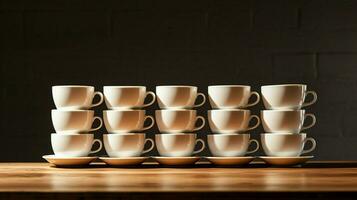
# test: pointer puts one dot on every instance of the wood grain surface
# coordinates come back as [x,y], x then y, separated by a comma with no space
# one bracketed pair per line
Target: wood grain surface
[150,177]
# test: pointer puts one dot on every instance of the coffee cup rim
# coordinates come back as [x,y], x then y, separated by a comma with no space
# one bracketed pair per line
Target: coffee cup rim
[285,85]
[278,133]
[68,110]
[68,86]
[124,86]
[123,134]
[175,134]
[124,110]
[174,86]
[228,134]
[175,110]
[229,109]
[213,86]
[283,110]
[72,134]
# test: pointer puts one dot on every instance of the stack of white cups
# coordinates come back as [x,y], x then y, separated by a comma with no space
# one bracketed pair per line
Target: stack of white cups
[125,123]
[72,121]
[176,122]
[229,121]
[283,122]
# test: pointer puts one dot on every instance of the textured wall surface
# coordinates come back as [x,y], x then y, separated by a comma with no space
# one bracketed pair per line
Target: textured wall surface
[153,42]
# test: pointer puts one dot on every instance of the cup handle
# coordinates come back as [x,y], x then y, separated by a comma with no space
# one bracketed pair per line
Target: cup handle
[312,140]
[100,123]
[100,146]
[312,101]
[152,145]
[256,125]
[203,100]
[203,146]
[152,122]
[256,148]
[202,125]
[312,116]
[153,98]
[100,101]
[255,102]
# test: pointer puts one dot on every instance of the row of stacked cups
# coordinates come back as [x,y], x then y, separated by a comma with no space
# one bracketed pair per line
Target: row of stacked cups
[229,122]
[72,120]
[283,120]
[178,123]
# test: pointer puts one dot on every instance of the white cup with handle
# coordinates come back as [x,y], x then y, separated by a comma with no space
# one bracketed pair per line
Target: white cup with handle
[124,121]
[74,145]
[286,144]
[176,121]
[231,120]
[286,96]
[178,144]
[126,144]
[231,96]
[127,97]
[282,121]
[74,121]
[178,97]
[75,97]
[231,145]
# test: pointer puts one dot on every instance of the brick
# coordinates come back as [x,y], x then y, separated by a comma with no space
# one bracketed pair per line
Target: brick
[268,16]
[131,29]
[231,28]
[219,4]
[329,120]
[327,148]
[336,92]
[294,67]
[181,30]
[12,34]
[8,75]
[332,15]
[65,29]
[343,63]
[12,4]
[349,121]
[229,22]
[181,5]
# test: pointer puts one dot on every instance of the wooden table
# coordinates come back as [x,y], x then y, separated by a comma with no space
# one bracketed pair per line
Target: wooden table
[322,180]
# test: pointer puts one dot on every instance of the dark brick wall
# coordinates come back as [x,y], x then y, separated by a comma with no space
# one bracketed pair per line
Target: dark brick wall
[153,42]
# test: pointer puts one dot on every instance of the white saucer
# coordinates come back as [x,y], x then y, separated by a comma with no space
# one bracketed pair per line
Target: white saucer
[230,160]
[176,160]
[286,160]
[123,161]
[67,161]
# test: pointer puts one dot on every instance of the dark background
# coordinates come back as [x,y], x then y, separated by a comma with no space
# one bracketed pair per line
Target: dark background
[153,42]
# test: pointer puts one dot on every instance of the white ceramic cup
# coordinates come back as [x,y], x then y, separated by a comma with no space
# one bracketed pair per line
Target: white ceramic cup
[285,144]
[178,97]
[127,97]
[126,144]
[285,121]
[75,97]
[231,96]
[176,121]
[74,121]
[124,121]
[177,144]
[231,145]
[288,96]
[231,120]
[74,145]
